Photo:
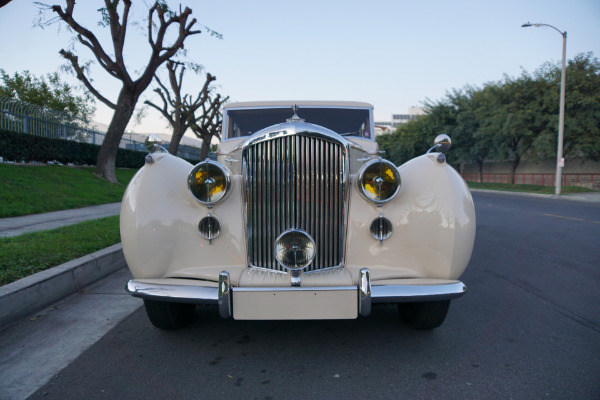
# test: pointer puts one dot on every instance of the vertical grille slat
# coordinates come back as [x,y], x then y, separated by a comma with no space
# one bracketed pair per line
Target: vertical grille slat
[321,204]
[295,181]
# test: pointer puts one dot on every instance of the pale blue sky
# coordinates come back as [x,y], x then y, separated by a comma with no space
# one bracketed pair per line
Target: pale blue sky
[393,54]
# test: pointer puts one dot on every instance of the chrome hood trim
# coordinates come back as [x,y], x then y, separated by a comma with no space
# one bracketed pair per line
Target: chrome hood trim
[295,128]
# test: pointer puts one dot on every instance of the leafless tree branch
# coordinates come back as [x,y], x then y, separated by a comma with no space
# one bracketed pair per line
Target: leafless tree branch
[67,16]
[131,89]
[178,109]
[74,60]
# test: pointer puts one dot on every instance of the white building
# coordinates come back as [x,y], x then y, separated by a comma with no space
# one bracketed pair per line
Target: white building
[398,119]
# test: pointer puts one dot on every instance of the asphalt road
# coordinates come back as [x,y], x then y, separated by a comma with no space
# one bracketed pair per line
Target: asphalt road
[528,328]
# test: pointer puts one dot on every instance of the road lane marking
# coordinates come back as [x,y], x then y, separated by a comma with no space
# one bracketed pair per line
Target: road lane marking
[572,219]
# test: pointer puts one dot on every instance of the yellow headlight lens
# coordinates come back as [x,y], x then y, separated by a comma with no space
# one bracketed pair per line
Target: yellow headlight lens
[209,182]
[379,181]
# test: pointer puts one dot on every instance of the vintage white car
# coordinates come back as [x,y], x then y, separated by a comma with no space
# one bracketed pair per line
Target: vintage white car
[298,218]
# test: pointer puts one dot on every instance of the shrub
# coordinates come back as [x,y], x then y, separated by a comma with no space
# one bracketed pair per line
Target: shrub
[24,147]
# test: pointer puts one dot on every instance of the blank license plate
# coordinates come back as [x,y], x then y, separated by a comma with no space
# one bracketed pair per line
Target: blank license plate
[295,303]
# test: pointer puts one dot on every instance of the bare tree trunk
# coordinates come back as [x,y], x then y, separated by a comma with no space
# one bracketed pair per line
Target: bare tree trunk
[107,156]
[178,131]
[205,148]
[513,168]
[480,165]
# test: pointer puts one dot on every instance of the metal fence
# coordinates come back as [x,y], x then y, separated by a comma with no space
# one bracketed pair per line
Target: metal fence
[18,116]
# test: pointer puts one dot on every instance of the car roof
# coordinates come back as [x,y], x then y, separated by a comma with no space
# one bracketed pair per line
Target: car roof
[291,103]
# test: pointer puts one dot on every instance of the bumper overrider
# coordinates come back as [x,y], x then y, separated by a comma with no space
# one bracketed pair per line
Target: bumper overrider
[280,303]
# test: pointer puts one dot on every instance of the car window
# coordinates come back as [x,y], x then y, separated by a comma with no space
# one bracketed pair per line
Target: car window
[344,121]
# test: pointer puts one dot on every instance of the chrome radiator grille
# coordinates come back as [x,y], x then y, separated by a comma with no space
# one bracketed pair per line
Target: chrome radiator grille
[295,182]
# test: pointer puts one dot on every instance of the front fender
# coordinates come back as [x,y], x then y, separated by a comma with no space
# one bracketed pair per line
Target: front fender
[433,219]
[159,225]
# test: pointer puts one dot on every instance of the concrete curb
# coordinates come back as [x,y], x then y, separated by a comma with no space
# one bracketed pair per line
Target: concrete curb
[524,194]
[37,291]
[592,197]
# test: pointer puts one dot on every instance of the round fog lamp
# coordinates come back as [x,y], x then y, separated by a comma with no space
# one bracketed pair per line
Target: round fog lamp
[294,249]
[381,228]
[209,182]
[379,181]
[209,227]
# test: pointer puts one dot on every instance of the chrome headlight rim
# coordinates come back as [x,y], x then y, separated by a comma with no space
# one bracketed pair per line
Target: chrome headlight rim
[362,172]
[226,177]
[293,231]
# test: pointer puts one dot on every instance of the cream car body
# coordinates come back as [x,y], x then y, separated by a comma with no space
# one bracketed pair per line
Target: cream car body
[410,249]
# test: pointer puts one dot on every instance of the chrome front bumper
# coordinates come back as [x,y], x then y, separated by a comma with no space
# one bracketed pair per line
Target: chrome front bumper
[296,302]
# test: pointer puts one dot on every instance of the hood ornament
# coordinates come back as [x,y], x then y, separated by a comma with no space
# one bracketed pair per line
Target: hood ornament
[295,117]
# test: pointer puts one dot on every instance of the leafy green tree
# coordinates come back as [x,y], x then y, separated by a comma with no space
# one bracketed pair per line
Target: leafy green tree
[523,119]
[49,91]
[582,107]
[470,145]
[416,137]
[406,142]
[510,120]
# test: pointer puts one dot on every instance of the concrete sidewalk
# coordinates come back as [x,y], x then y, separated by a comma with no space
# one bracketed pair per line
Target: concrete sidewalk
[37,348]
[39,222]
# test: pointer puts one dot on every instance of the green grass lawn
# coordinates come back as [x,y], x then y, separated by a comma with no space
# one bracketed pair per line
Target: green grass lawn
[34,189]
[527,188]
[29,253]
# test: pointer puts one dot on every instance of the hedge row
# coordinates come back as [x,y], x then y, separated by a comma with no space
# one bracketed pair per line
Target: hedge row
[24,147]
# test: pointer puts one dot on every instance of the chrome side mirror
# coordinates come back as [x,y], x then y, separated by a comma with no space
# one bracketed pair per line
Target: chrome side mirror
[153,144]
[441,143]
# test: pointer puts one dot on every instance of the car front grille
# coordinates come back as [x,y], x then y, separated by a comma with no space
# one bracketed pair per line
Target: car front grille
[295,182]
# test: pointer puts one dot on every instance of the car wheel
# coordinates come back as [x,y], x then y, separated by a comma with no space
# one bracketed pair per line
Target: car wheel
[425,315]
[168,315]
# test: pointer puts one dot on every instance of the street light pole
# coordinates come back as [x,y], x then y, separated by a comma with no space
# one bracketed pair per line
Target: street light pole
[560,161]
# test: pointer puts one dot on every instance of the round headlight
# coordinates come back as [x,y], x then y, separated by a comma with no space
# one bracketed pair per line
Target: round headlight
[294,249]
[209,182]
[379,181]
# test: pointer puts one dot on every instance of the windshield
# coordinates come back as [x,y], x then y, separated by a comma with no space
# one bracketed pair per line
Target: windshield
[343,121]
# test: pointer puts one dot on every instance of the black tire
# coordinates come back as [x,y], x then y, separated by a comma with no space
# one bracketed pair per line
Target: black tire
[425,315]
[168,315]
